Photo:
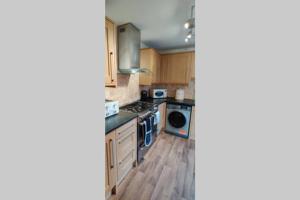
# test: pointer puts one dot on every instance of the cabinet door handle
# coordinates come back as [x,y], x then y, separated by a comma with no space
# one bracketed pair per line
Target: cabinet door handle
[110,67]
[112,153]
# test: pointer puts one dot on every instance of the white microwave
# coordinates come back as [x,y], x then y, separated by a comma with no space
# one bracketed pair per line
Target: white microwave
[111,108]
[158,93]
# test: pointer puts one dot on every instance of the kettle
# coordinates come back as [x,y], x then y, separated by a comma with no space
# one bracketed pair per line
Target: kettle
[179,94]
[144,94]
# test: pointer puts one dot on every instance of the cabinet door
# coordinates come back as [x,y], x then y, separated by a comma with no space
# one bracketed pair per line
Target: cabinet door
[150,59]
[179,68]
[164,71]
[110,54]
[192,125]
[193,65]
[156,74]
[107,67]
[176,68]
[146,61]
[110,161]
[162,111]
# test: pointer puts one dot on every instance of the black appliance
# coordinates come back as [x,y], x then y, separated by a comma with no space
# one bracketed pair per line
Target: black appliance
[147,128]
[146,136]
[144,94]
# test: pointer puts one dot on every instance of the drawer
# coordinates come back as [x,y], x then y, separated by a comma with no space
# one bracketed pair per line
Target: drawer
[125,165]
[124,129]
[125,145]
[126,133]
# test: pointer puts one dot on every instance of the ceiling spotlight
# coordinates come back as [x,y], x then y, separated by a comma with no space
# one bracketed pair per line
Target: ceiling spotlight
[190,23]
[186,39]
[186,25]
[189,36]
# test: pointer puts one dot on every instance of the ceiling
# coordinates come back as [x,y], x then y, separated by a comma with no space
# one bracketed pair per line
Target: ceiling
[160,21]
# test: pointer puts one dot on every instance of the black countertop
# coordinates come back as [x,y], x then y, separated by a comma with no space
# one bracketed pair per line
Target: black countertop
[118,120]
[187,102]
[123,117]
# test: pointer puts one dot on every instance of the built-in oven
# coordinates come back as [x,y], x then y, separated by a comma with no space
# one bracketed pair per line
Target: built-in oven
[148,120]
[147,132]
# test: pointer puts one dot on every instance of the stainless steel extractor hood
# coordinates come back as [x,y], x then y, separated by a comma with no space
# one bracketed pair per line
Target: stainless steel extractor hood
[129,43]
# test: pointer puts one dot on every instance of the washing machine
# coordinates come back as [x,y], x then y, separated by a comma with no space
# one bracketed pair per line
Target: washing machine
[178,119]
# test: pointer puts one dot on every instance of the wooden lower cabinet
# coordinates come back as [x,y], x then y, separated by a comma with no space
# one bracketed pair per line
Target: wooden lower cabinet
[126,149]
[120,156]
[192,125]
[110,163]
[162,110]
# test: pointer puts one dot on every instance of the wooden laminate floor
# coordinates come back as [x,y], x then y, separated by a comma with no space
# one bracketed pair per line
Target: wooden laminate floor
[167,173]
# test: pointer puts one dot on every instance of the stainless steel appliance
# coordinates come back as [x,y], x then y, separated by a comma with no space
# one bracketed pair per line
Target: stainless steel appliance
[159,93]
[147,125]
[111,108]
[178,120]
[129,44]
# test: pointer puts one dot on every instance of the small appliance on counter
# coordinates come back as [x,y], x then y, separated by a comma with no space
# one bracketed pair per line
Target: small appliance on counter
[159,93]
[144,94]
[179,94]
[111,108]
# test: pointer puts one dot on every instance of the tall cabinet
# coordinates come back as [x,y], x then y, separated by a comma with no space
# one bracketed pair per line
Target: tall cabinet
[110,54]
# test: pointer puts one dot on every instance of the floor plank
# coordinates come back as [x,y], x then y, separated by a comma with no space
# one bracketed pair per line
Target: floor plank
[167,173]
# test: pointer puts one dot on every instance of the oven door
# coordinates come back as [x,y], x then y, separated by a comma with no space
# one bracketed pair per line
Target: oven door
[146,136]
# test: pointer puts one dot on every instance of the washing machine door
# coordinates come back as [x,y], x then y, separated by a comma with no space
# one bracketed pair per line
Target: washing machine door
[177,119]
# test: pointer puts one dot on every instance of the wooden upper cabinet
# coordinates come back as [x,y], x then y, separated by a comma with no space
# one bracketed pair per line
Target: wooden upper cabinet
[193,66]
[149,59]
[176,68]
[110,54]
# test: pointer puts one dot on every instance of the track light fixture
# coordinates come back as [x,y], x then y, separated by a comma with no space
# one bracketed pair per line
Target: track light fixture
[189,25]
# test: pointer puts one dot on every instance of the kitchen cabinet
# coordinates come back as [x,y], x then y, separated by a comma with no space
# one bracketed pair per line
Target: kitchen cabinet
[110,54]
[150,59]
[162,110]
[193,65]
[110,163]
[175,68]
[120,156]
[126,138]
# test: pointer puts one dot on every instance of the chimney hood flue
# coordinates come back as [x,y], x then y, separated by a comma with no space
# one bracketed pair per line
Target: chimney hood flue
[129,43]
